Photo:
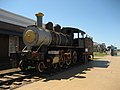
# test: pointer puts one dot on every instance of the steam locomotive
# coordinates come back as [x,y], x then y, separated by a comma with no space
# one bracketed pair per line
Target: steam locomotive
[52,46]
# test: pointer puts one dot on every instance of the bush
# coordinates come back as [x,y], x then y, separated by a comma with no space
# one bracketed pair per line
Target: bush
[99,54]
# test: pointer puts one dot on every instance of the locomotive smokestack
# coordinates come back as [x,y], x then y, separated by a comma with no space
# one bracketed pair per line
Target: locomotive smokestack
[39,19]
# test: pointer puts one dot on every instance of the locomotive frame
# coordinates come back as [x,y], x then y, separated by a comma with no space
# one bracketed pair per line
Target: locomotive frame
[53,47]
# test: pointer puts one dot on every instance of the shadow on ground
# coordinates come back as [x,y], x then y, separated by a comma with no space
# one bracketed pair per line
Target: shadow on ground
[99,64]
[78,71]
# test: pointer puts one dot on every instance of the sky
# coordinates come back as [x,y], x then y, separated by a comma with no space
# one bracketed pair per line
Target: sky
[100,19]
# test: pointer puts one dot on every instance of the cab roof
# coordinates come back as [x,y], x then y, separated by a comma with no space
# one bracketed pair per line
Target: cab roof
[73,30]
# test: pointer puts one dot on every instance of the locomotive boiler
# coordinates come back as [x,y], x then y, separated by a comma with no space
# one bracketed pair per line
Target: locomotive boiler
[49,46]
[35,36]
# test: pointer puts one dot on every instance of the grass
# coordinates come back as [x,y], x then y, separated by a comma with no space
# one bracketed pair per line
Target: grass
[98,54]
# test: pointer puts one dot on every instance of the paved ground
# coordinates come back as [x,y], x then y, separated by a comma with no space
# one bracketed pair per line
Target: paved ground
[102,74]
[9,70]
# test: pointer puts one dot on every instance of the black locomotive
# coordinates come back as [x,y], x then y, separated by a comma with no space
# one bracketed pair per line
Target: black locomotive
[52,46]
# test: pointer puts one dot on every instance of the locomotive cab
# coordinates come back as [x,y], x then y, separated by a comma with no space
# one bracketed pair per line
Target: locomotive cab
[84,44]
[75,36]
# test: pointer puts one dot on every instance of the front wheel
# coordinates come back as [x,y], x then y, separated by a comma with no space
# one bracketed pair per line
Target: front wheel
[23,66]
[40,66]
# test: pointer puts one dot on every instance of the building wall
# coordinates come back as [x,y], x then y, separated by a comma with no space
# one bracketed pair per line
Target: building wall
[4,43]
[21,44]
[13,44]
[11,30]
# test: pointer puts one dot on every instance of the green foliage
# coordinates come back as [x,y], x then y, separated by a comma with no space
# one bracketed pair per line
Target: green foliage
[99,54]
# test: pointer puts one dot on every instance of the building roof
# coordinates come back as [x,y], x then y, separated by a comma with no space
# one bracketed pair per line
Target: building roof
[8,17]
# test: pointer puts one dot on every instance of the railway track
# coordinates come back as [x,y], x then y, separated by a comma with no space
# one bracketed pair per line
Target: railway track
[10,81]
[14,80]
[17,79]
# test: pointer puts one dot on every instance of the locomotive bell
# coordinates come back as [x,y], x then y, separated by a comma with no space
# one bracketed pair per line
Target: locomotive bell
[39,19]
